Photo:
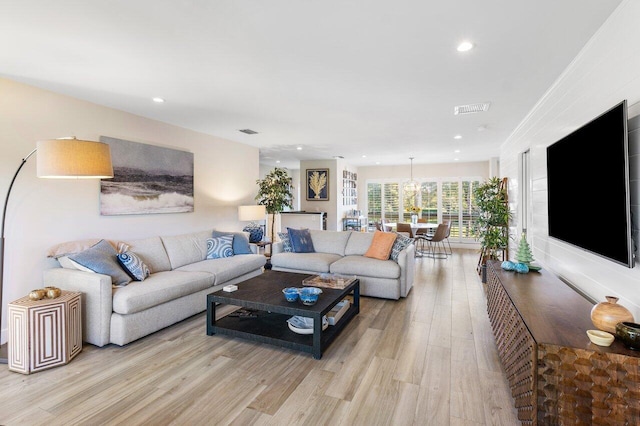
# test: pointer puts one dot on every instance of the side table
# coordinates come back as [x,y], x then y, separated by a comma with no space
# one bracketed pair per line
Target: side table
[264,245]
[44,333]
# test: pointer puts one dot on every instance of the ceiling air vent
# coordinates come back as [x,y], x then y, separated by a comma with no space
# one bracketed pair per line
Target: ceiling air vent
[249,131]
[471,108]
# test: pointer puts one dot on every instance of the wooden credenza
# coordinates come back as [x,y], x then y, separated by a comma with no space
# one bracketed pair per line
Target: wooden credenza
[44,333]
[557,376]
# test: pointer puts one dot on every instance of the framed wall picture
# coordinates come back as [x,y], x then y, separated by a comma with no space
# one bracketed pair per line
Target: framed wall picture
[317,184]
[147,179]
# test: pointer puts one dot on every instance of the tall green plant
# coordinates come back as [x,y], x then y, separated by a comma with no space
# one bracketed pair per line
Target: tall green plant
[492,225]
[274,192]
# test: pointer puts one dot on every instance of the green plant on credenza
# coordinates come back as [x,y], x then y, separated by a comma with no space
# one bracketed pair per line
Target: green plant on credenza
[492,225]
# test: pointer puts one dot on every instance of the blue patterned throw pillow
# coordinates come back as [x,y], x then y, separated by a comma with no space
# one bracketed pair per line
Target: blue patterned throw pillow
[102,259]
[301,240]
[399,244]
[220,247]
[133,265]
[286,242]
[240,241]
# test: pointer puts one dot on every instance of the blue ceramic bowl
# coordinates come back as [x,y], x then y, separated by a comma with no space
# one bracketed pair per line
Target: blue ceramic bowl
[309,295]
[291,293]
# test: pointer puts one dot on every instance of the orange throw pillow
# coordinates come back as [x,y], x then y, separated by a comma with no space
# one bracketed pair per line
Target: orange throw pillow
[381,245]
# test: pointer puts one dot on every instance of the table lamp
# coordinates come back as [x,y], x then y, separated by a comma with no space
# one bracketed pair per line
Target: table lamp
[59,158]
[252,213]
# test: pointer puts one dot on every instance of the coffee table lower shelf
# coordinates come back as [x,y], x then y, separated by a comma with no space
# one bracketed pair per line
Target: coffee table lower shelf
[272,328]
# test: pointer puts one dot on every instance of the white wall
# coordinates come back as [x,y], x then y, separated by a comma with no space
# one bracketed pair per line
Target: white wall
[44,212]
[605,72]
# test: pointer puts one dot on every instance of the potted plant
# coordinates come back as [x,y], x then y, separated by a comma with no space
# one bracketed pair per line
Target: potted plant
[274,192]
[492,225]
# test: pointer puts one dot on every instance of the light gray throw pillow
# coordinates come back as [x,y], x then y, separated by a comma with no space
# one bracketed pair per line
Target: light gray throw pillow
[102,258]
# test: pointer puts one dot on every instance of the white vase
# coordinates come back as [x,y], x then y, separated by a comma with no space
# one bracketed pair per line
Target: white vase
[414,218]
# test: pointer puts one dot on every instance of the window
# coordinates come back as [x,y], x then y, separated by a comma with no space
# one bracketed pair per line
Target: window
[468,212]
[391,202]
[429,201]
[374,202]
[440,200]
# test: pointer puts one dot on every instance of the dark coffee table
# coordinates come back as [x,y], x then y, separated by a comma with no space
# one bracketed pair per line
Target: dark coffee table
[269,322]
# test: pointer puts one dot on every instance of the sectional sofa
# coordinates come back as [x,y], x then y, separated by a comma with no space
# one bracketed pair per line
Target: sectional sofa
[180,278]
[342,252]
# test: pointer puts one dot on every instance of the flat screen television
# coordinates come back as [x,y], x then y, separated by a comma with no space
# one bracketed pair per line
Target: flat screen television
[588,187]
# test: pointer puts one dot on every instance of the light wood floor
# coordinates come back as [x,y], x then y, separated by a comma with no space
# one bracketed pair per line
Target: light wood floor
[429,359]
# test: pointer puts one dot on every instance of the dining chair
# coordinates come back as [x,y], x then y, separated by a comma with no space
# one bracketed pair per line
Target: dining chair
[435,239]
[422,220]
[448,223]
[384,226]
[404,229]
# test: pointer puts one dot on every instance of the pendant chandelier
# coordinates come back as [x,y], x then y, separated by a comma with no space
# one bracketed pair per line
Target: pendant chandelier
[412,185]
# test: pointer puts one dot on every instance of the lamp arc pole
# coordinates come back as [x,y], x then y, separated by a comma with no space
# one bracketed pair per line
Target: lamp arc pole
[3,348]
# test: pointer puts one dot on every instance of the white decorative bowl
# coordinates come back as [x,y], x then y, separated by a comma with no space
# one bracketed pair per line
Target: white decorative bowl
[600,338]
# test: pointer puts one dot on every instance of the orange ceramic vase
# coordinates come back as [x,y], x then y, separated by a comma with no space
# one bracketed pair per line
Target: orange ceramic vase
[605,315]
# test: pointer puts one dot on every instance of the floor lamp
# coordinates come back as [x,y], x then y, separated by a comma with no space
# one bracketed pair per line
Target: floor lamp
[59,158]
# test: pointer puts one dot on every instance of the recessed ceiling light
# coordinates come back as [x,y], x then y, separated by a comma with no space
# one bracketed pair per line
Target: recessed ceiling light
[277,161]
[457,137]
[456,151]
[465,46]
[158,100]
[299,148]
[364,156]
[455,159]
[377,162]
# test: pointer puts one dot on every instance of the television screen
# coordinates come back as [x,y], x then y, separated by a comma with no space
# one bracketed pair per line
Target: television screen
[588,187]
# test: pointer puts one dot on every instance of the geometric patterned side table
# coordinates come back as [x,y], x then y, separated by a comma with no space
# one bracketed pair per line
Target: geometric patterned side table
[44,333]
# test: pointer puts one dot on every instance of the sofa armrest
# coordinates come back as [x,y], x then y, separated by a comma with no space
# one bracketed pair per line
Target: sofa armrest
[277,247]
[407,269]
[97,300]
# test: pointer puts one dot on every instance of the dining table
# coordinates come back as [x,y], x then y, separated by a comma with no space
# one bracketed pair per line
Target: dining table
[419,225]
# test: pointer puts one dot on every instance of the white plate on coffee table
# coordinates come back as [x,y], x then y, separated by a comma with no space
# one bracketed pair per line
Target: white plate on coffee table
[304,325]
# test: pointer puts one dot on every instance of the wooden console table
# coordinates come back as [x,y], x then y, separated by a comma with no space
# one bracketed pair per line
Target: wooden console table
[557,376]
[44,333]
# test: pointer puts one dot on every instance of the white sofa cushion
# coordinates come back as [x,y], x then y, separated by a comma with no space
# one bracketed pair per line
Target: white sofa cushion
[330,241]
[159,288]
[152,252]
[358,243]
[227,268]
[366,266]
[186,248]
[314,262]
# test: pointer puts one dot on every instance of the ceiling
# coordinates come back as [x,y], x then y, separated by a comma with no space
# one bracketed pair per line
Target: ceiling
[343,78]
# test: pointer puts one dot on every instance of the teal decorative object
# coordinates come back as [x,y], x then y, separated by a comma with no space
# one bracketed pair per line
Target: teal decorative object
[508,265]
[522,268]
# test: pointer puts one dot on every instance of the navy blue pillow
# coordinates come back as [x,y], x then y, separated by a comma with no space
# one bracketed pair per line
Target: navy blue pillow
[240,241]
[301,240]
